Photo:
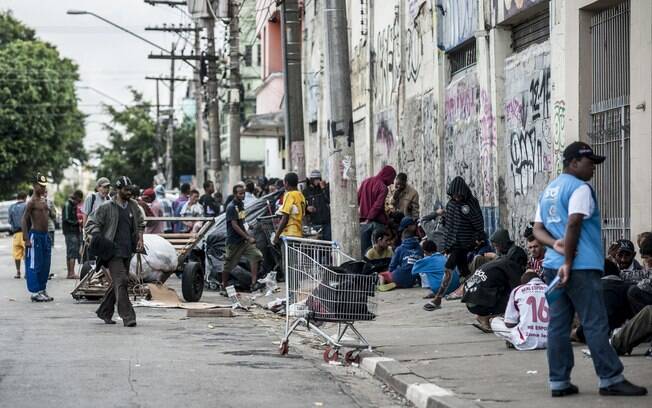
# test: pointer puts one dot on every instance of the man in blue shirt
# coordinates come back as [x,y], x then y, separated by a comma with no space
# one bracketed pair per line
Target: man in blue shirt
[568,220]
[16,211]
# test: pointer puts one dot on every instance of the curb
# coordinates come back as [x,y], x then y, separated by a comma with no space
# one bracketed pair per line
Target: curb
[421,393]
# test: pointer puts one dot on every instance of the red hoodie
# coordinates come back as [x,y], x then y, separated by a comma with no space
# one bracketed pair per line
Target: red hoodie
[372,193]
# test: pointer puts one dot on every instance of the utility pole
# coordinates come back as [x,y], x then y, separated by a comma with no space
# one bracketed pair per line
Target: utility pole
[169,170]
[199,117]
[215,172]
[235,169]
[343,186]
[291,36]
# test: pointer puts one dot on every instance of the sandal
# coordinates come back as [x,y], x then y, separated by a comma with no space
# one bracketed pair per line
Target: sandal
[429,307]
[429,296]
[482,328]
[453,296]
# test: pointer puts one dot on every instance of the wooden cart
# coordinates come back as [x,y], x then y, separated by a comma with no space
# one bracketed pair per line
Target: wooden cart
[191,261]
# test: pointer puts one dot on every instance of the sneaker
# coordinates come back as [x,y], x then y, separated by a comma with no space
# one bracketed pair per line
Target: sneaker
[131,323]
[570,390]
[40,297]
[50,298]
[623,389]
[386,287]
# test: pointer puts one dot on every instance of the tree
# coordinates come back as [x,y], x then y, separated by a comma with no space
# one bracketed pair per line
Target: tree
[41,127]
[133,147]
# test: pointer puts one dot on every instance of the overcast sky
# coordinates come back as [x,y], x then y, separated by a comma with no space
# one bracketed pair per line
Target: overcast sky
[109,60]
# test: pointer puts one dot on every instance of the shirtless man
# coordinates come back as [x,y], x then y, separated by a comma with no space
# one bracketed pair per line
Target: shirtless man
[37,241]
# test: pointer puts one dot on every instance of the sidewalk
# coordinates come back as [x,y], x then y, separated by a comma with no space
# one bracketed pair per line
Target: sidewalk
[442,348]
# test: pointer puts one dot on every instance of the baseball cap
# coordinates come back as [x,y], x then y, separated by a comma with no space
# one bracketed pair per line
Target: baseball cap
[122,181]
[315,174]
[40,179]
[405,222]
[102,182]
[149,193]
[625,245]
[576,150]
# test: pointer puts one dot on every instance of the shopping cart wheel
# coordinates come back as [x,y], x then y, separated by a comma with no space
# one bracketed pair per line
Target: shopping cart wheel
[284,347]
[331,355]
[352,356]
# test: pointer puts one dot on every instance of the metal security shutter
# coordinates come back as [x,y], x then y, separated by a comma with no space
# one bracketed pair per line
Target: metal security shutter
[462,56]
[609,133]
[533,31]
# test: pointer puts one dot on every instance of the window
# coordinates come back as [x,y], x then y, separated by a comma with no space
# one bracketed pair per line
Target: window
[247,55]
[258,55]
[533,31]
[462,56]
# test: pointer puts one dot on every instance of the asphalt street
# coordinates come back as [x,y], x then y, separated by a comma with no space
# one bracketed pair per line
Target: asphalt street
[59,354]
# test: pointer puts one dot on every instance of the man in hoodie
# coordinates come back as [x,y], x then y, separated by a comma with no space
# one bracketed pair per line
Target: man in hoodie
[405,256]
[371,200]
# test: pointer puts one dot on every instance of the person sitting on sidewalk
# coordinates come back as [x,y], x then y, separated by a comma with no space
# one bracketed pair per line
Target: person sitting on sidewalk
[525,325]
[641,294]
[634,332]
[487,291]
[381,248]
[614,292]
[400,269]
[624,257]
[537,253]
[433,268]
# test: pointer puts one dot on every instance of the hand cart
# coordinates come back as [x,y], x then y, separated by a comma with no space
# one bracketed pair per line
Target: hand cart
[319,291]
[95,281]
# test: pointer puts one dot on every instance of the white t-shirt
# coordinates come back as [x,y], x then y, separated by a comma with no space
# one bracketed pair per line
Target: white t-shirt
[528,309]
[580,202]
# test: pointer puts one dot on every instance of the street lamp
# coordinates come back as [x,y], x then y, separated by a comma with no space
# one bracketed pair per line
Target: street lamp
[84,12]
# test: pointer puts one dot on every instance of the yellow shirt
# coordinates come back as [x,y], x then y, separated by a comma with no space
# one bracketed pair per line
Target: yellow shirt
[373,253]
[294,205]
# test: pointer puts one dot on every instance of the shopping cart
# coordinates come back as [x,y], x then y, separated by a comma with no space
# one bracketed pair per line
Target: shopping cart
[320,288]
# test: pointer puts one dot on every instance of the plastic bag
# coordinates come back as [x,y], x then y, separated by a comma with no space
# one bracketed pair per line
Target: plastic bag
[160,258]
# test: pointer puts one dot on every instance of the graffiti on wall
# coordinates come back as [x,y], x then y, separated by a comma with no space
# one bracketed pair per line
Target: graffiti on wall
[459,18]
[462,132]
[384,136]
[488,142]
[529,146]
[558,129]
[387,64]
[513,7]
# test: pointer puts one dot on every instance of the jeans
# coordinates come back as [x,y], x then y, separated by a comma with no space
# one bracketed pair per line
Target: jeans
[582,294]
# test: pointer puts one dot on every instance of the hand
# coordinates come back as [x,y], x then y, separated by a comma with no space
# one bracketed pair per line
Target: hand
[28,244]
[559,246]
[140,245]
[439,211]
[311,209]
[275,241]
[251,240]
[564,274]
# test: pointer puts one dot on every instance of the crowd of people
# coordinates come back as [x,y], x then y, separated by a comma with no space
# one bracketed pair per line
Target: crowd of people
[602,300]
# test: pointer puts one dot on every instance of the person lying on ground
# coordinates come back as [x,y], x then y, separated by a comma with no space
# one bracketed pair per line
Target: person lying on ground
[636,331]
[487,291]
[433,268]
[525,325]
[400,269]
[641,295]
[614,291]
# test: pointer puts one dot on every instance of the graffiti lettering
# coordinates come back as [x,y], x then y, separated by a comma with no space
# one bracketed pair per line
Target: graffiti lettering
[414,52]
[387,64]
[384,136]
[559,129]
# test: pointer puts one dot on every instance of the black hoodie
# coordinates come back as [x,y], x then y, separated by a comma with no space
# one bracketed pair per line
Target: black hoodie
[463,220]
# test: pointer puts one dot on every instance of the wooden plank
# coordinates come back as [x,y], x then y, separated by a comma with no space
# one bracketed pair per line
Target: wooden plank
[180,241]
[179,235]
[218,312]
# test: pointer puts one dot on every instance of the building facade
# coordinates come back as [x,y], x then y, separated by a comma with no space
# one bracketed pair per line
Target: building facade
[493,90]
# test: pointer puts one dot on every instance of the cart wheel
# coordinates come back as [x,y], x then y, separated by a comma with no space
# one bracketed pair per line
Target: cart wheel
[192,282]
[284,347]
[352,357]
[331,355]
[213,285]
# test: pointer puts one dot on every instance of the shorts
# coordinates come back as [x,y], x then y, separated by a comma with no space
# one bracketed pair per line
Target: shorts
[235,252]
[458,258]
[73,242]
[18,246]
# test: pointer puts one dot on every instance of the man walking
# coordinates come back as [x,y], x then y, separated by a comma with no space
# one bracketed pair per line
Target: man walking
[16,212]
[119,222]
[568,220]
[72,232]
[238,243]
[37,241]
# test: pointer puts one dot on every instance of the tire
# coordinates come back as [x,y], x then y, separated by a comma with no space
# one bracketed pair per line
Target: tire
[192,282]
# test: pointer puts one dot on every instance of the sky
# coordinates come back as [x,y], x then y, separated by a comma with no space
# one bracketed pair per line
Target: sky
[110,61]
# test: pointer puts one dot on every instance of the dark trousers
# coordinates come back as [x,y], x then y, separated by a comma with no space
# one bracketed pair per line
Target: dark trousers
[118,292]
[582,294]
[638,298]
[636,331]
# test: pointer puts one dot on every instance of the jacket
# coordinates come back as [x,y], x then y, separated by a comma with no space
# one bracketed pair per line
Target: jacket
[320,199]
[372,194]
[463,221]
[104,220]
[403,260]
[407,202]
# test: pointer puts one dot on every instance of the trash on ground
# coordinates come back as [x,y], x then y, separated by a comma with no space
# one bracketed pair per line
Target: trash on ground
[532,372]
[162,296]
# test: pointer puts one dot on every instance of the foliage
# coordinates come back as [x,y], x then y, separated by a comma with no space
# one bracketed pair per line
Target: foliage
[133,145]
[41,127]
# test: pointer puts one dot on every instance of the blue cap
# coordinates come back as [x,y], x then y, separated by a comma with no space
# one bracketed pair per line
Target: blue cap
[406,222]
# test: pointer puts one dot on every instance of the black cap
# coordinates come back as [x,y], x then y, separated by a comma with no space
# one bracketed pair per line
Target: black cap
[122,181]
[625,245]
[40,179]
[577,150]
